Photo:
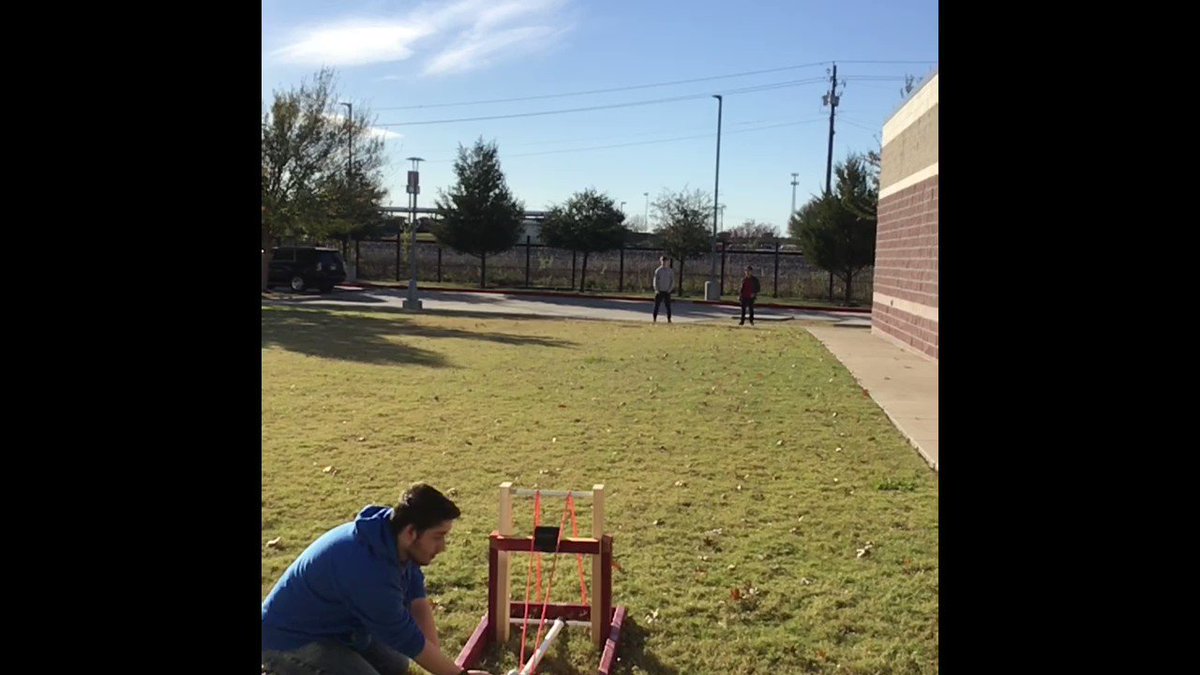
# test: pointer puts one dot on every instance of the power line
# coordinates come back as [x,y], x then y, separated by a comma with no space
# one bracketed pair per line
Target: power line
[638,134]
[745,90]
[888,62]
[650,142]
[606,91]
[633,87]
[856,124]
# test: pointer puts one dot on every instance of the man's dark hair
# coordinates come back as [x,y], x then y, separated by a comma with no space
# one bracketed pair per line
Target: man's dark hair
[423,507]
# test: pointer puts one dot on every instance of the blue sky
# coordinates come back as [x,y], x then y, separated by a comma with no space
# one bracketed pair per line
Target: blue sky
[391,56]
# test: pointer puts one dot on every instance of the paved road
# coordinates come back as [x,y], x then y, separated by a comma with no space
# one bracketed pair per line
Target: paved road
[553,306]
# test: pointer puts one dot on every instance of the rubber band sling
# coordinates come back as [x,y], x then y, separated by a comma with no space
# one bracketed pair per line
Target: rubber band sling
[537,520]
[575,533]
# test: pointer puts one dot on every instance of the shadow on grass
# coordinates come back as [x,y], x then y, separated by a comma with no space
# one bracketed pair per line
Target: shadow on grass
[329,333]
[631,653]
[340,304]
[558,658]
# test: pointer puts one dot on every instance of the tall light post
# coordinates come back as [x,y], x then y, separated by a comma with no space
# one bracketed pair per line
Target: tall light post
[646,217]
[353,273]
[712,291]
[622,209]
[349,137]
[793,211]
[414,189]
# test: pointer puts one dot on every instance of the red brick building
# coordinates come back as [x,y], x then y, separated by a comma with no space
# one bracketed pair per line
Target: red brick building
[904,306]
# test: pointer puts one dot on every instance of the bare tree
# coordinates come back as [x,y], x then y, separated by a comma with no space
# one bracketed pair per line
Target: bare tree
[310,189]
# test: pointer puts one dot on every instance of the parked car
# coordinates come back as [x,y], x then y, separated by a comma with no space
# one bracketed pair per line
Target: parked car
[304,267]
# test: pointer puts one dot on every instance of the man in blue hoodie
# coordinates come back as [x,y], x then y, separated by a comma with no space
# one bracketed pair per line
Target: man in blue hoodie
[354,601]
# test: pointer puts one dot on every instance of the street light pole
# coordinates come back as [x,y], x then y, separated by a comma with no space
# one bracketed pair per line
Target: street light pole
[414,189]
[646,218]
[793,211]
[350,137]
[712,291]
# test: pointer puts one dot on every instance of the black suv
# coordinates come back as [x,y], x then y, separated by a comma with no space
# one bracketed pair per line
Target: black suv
[303,267]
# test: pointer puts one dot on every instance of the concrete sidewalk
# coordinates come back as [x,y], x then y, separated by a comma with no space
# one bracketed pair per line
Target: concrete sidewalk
[904,384]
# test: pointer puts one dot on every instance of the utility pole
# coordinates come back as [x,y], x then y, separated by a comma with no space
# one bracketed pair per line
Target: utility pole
[712,290]
[794,184]
[831,99]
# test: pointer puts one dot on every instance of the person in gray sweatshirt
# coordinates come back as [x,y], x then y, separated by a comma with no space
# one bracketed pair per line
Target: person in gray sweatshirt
[664,283]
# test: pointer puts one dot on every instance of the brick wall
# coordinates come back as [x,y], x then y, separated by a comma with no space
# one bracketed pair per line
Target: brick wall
[905,297]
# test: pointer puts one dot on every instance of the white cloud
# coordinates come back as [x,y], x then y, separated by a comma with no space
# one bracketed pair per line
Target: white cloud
[463,35]
[376,132]
[354,44]
[478,51]
[373,132]
[497,14]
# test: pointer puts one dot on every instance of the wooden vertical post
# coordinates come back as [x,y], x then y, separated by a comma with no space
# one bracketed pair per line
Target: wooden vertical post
[606,605]
[502,610]
[599,621]
[494,597]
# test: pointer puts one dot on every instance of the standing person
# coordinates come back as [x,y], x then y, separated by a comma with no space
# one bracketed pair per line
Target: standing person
[664,283]
[354,601]
[748,294]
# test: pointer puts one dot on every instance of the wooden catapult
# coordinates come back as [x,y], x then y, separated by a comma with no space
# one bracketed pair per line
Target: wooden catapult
[603,620]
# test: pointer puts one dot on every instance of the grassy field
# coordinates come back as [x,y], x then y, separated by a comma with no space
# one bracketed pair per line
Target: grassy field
[767,516]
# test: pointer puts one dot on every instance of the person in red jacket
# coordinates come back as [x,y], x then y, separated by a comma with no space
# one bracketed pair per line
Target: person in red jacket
[748,295]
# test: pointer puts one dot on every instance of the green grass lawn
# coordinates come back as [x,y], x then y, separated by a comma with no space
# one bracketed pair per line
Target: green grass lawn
[746,471]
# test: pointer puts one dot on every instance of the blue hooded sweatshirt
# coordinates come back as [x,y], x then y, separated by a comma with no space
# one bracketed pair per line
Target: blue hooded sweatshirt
[348,586]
